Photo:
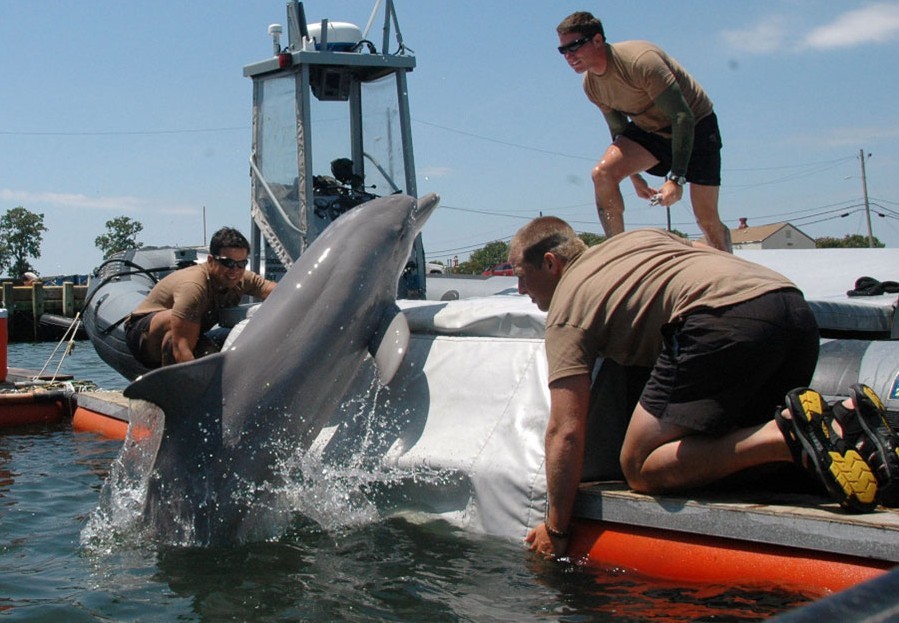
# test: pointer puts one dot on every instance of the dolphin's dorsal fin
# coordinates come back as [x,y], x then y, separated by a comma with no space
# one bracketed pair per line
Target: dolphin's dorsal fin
[181,387]
[390,343]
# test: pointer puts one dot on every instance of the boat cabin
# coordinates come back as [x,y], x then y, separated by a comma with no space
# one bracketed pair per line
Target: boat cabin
[331,130]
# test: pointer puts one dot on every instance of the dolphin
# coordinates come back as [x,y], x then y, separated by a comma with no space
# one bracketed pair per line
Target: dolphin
[232,418]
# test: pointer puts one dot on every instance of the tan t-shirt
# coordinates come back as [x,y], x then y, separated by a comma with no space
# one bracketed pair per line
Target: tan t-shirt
[636,74]
[190,294]
[613,300]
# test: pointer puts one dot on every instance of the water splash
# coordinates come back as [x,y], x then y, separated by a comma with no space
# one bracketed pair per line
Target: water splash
[117,517]
[348,479]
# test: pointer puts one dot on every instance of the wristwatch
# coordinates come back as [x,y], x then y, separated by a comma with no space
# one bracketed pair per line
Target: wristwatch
[680,180]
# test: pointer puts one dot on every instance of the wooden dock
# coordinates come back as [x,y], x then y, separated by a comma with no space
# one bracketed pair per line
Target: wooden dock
[27,304]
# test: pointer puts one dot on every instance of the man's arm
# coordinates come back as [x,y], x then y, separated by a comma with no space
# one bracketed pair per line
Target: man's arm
[616,121]
[671,101]
[185,334]
[267,289]
[569,402]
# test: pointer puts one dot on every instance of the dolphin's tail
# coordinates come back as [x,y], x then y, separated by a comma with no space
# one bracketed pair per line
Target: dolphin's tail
[180,502]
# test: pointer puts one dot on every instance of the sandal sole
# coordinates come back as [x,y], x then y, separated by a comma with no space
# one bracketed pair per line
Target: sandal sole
[843,472]
[870,411]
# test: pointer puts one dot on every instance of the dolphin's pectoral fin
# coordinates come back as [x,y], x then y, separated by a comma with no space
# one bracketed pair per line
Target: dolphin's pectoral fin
[390,343]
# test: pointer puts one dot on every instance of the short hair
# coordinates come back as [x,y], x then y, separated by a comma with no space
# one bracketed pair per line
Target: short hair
[547,234]
[227,237]
[583,23]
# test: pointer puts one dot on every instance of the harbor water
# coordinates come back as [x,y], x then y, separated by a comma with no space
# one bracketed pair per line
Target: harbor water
[55,567]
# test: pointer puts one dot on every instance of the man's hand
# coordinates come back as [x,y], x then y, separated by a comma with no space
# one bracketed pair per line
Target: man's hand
[539,541]
[669,194]
[643,190]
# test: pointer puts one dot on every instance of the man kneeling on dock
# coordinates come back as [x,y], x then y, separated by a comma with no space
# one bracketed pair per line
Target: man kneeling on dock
[726,341]
[169,325]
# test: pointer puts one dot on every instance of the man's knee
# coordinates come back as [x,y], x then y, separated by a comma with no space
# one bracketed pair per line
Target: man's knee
[604,177]
[160,324]
[632,468]
[640,463]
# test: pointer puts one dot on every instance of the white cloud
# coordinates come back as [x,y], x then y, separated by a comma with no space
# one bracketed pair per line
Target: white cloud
[765,37]
[435,171]
[77,200]
[875,23]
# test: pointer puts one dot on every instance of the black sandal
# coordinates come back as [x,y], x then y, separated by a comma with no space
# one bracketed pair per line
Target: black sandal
[819,450]
[866,429]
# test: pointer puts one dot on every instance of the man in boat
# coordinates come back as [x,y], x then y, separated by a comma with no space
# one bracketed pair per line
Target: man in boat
[726,340]
[169,325]
[661,121]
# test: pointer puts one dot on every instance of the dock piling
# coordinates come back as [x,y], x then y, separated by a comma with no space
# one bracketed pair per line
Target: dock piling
[26,304]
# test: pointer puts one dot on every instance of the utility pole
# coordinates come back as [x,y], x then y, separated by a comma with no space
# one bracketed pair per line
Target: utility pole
[861,154]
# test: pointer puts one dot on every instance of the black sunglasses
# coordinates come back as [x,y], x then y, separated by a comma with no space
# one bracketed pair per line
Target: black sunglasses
[574,46]
[228,263]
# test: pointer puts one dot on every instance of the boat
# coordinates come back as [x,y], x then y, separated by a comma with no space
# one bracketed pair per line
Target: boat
[116,288]
[466,419]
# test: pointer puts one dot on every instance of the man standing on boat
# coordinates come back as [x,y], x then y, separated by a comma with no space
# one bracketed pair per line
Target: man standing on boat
[169,325]
[726,339]
[661,122]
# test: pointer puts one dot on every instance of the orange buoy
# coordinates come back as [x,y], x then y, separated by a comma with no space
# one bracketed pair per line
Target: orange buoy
[672,555]
[87,420]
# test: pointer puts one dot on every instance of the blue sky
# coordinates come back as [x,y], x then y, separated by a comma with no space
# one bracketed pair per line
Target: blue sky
[140,109]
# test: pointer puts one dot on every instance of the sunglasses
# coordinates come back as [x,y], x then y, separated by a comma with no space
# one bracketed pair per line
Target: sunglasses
[228,263]
[574,46]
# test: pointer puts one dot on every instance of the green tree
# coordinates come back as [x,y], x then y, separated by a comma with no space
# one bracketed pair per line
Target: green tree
[591,239]
[849,241]
[497,252]
[490,255]
[121,234]
[22,232]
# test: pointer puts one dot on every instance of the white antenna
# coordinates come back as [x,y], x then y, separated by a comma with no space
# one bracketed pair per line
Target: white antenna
[275,31]
[371,19]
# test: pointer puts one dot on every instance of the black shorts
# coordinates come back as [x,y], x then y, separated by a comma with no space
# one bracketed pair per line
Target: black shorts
[729,368]
[135,332]
[705,161]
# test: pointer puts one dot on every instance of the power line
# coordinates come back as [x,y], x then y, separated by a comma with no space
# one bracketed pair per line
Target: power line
[126,132]
[794,166]
[506,143]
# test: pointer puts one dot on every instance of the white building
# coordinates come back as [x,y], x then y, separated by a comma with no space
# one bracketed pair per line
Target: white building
[773,236]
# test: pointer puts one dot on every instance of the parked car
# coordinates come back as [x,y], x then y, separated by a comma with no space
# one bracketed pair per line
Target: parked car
[500,269]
